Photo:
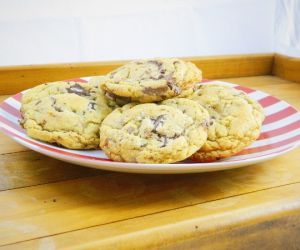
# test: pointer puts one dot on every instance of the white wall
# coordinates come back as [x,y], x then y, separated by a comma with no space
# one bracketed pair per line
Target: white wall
[287,27]
[50,31]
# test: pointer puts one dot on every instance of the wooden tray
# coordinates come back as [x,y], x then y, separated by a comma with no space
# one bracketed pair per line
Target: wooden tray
[49,204]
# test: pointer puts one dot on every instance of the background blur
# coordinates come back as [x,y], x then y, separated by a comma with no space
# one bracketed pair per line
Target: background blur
[51,31]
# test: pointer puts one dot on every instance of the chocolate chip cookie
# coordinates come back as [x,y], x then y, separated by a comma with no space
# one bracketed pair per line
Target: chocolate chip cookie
[154,133]
[65,113]
[111,100]
[90,91]
[151,80]
[235,121]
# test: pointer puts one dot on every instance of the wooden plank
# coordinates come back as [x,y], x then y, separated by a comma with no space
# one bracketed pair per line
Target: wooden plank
[268,219]
[8,145]
[56,208]
[3,97]
[25,169]
[235,66]
[287,67]
[275,233]
[16,78]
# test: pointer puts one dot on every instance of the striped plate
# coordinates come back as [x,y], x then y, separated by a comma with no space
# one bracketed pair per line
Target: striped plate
[280,133]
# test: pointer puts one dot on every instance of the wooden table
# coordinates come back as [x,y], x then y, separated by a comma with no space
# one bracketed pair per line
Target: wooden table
[49,204]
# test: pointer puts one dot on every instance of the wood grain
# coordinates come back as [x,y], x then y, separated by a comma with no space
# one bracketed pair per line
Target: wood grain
[287,67]
[8,145]
[234,66]
[99,200]
[259,220]
[3,97]
[30,168]
[16,78]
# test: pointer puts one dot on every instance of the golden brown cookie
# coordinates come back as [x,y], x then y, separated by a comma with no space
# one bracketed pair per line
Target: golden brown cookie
[151,80]
[154,133]
[235,121]
[65,113]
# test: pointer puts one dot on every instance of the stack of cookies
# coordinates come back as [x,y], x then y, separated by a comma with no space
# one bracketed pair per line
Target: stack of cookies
[147,111]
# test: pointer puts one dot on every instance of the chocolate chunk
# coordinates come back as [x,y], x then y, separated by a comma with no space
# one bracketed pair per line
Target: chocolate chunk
[38,102]
[43,123]
[53,101]
[171,82]
[120,100]
[170,78]
[206,124]
[58,109]
[92,105]
[212,118]
[155,91]
[78,90]
[109,95]
[156,78]
[53,104]
[130,130]
[162,71]
[174,88]
[156,63]
[198,86]
[157,121]
[175,136]
[164,140]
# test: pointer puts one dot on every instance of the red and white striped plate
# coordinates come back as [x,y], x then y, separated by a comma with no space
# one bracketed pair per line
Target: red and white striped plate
[280,133]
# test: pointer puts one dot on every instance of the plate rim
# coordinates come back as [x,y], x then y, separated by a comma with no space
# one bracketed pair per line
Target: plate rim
[149,167]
